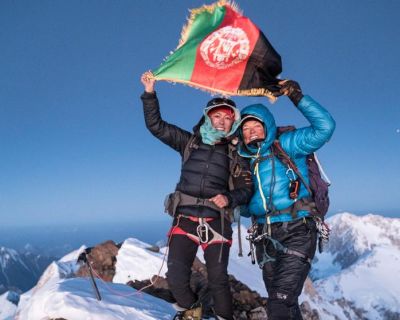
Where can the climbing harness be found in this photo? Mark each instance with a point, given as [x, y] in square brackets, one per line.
[254, 237]
[205, 234]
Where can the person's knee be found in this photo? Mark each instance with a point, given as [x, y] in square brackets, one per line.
[178, 274]
[283, 306]
[218, 275]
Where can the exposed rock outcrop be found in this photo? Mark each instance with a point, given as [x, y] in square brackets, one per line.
[102, 259]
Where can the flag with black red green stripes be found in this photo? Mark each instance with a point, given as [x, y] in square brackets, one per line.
[222, 51]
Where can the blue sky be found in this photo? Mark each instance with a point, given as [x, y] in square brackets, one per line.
[73, 143]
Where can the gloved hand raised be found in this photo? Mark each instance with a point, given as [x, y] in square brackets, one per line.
[291, 89]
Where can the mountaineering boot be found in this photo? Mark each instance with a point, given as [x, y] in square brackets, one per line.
[190, 314]
[193, 314]
[178, 316]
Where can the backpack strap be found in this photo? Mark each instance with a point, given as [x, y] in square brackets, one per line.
[260, 159]
[284, 158]
[234, 166]
[193, 143]
[234, 171]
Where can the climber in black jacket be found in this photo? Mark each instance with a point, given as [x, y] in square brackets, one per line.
[207, 190]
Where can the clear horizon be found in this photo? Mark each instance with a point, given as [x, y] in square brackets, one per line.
[164, 219]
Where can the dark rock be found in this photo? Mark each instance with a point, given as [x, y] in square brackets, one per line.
[102, 259]
[391, 315]
[308, 313]
[13, 297]
[153, 249]
[157, 287]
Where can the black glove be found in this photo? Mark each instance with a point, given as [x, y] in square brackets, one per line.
[292, 89]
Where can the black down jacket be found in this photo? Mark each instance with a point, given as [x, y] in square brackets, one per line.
[206, 172]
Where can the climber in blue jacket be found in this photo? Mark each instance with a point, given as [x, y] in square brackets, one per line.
[282, 206]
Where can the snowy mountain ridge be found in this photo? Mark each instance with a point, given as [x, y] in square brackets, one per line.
[20, 270]
[352, 279]
[362, 234]
[354, 237]
[360, 268]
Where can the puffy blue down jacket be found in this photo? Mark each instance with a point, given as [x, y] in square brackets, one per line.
[270, 176]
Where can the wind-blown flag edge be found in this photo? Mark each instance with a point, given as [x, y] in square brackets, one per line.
[187, 29]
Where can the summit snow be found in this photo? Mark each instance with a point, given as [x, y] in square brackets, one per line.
[356, 278]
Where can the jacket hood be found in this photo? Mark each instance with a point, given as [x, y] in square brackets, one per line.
[262, 113]
[196, 128]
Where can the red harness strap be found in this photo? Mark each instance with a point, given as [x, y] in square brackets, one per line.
[205, 245]
[216, 239]
[196, 219]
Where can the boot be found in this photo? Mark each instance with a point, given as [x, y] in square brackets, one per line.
[178, 316]
[193, 314]
[190, 314]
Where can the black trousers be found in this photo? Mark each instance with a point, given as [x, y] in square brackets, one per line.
[285, 276]
[182, 251]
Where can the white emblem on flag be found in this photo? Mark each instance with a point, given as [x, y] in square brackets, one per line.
[225, 47]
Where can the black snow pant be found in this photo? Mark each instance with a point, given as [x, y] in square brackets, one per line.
[182, 251]
[285, 276]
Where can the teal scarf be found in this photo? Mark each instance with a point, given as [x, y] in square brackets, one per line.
[210, 135]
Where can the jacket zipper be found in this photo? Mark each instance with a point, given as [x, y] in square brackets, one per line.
[205, 172]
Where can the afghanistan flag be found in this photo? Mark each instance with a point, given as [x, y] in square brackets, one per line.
[221, 51]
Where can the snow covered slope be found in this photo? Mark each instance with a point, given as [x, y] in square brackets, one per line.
[7, 305]
[356, 278]
[59, 295]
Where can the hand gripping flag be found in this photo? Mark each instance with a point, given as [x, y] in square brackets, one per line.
[221, 51]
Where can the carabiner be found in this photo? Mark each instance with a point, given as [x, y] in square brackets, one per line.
[202, 231]
[288, 171]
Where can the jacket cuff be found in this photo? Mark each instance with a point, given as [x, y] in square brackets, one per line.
[296, 98]
[304, 102]
[148, 95]
[230, 199]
